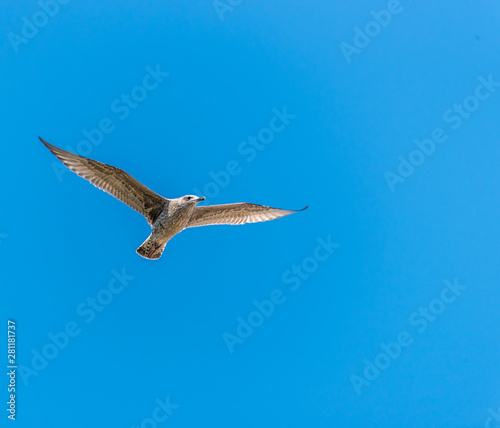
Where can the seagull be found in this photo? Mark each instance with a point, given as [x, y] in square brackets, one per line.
[167, 217]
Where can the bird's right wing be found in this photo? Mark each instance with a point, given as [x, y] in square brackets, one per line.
[114, 181]
[239, 213]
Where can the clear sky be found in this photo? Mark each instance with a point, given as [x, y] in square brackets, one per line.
[378, 306]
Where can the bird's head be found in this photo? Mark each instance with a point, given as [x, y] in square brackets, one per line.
[191, 200]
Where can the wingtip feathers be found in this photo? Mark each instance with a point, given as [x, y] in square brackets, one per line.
[45, 143]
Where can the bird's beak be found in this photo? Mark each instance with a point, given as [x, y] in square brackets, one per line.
[201, 198]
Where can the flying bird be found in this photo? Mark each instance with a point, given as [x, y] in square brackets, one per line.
[167, 217]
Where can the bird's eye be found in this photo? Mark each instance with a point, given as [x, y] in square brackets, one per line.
[189, 198]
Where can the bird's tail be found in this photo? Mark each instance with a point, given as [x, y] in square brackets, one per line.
[150, 249]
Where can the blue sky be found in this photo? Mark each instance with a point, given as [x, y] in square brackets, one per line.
[377, 306]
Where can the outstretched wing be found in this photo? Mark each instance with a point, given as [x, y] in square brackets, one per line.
[114, 181]
[240, 213]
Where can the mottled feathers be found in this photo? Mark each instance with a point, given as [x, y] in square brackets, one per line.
[167, 217]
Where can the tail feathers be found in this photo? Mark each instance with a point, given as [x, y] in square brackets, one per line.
[150, 249]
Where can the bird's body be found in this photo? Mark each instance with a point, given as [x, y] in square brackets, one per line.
[173, 219]
[167, 217]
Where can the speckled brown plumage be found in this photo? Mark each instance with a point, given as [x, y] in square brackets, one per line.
[167, 217]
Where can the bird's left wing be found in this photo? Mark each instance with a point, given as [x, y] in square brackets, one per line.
[239, 213]
[114, 181]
